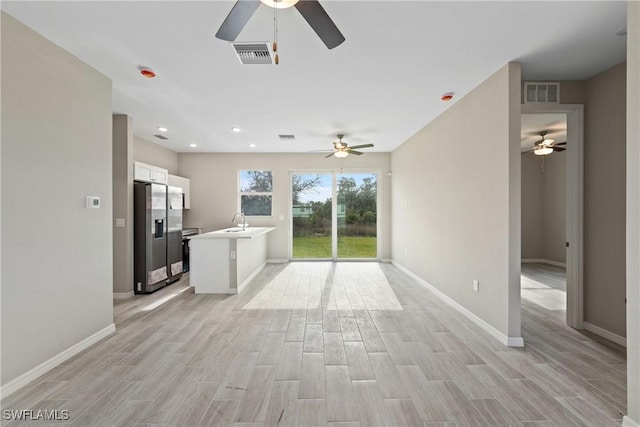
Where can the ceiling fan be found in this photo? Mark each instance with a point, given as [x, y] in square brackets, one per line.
[311, 10]
[546, 146]
[341, 149]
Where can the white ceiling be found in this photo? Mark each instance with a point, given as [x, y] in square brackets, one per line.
[381, 86]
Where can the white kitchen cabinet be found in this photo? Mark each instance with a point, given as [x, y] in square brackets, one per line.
[185, 184]
[149, 173]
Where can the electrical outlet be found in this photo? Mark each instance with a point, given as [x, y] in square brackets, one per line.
[476, 285]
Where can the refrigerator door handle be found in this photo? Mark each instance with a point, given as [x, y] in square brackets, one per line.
[159, 228]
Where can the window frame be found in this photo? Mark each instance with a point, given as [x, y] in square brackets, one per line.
[254, 193]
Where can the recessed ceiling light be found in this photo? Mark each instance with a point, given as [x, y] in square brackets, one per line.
[252, 145]
[236, 129]
[162, 129]
[193, 145]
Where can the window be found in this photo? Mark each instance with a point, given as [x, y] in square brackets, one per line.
[256, 192]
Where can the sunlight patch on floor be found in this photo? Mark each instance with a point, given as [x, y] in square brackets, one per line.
[329, 286]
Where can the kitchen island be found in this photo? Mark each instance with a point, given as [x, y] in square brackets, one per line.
[224, 261]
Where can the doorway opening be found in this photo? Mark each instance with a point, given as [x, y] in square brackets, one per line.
[552, 200]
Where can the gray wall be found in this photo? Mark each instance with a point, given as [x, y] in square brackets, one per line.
[633, 212]
[531, 207]
[544, 207]
[154, 154]
[56, 150]
[214, 189]
[123, 204]
[604, 200]
[456, 201]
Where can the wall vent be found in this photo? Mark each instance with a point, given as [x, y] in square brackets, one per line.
[160, 136]
[541, 92]
[253, 53]
[287, 137]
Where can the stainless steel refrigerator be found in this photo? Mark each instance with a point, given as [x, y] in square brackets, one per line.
[174, 234]
[149, 237]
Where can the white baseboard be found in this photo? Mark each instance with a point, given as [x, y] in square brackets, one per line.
[122, 295]
[504, 339]
[628, 422]
[386, 260]
[543, 261]
[604, 333]
[56, 360]
[277, 261]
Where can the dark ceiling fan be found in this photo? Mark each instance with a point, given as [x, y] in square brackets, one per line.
[311, 10]
[546, 146]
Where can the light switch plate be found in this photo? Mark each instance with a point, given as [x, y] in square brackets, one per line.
[119, 222]
[93, 202]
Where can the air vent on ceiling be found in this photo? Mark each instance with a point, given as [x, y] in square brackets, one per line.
[541, 92]
[253, 53]
[287, 137]
[160, 136]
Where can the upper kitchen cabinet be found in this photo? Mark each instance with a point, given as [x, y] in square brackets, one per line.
[185, 184]
[149, 173]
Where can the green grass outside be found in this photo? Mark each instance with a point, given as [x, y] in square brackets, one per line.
[348, 247]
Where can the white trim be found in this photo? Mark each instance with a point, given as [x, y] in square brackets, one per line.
[123, 295]
[277, 261]
[386, 260]
[543, 261]
[575, 204]
[628, 422]
[605, 334]
[251, 276]
[56, 360]
[504, 339]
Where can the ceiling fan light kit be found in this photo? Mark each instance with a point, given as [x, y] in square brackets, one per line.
[543, 151]
[279, 4]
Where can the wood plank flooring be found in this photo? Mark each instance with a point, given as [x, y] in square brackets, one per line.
[339, 344]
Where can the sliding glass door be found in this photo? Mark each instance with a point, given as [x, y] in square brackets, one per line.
[334, 215]
[357, 215]
[311, 196]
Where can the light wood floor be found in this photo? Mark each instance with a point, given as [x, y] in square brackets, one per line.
[343, 344]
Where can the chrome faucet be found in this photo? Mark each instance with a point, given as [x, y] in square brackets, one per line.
[244, 222]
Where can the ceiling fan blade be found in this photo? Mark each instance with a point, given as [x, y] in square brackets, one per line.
[360, 146]
[313, 12]
[560, 143]
[357, 153]
[237, 19]
[327, 156]
[558, 149]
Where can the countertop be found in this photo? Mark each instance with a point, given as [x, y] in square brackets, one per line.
[234, 233]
